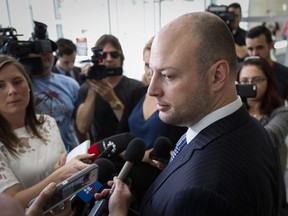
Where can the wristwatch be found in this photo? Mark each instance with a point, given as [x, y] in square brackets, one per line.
[117, 105]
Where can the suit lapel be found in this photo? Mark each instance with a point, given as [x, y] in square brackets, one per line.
[204, 138]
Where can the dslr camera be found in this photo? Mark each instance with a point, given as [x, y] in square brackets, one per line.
[222, 12]
[99, 71]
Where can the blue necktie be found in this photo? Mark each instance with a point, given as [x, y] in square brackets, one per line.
[179, 146]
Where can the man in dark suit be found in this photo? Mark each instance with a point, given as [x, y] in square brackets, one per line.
[229, 166]
[65, 60]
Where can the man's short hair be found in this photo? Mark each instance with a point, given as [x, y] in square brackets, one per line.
[111, 39]
[259, 30]
[235, 5]
[65, 47]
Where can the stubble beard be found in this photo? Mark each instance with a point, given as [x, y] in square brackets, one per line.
[192, 110]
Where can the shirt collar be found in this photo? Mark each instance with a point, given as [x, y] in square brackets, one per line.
[60, 70]
[213, 117]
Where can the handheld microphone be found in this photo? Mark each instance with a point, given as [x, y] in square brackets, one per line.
[133, 155]
[118, 142]
[161, 150]
[106, 171]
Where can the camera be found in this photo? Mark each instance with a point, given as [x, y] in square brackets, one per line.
[99, 71]
[246, 90]
[8, 34]
[38, 43]
[222, 12]
[19, 49]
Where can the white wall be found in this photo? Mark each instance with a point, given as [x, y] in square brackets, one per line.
[133, 21]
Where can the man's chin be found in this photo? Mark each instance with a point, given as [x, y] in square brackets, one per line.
[172, 119]
[168, 119]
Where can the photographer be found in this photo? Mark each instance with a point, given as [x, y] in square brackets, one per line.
[102, 100]
[231, 15]
[238, 33]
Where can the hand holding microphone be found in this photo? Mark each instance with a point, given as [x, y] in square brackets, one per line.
[133, 155]
[161, 150]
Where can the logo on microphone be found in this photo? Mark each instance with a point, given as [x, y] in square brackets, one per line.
[109, 143]
[88, 193]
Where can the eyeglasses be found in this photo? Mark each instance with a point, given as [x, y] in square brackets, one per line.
[113, 54]
[254, 80]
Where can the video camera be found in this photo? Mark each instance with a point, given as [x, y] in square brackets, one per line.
[99, 71]
[222, 12]
[20, 49]
[8, 34]
[38, 42]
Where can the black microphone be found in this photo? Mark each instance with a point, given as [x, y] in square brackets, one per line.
[118, 142]
[161, 150]
[133, 155]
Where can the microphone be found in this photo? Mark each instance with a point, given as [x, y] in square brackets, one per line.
[117, 142]
[133, 155]
[105, 172]
[161, 150]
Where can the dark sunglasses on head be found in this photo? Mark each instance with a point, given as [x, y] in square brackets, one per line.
[113, 54]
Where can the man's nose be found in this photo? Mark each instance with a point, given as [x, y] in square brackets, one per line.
[254, 52]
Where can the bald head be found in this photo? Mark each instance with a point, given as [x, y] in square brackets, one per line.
[214, 39]
[193, 56]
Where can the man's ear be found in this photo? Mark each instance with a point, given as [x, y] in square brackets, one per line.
[219, 74]
[271, 45]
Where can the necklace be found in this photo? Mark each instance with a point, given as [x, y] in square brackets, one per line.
[257, 116]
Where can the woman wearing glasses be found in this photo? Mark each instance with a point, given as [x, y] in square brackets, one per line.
[267, 106]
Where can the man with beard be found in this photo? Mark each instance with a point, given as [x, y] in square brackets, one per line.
[225, 163]
[102, 101]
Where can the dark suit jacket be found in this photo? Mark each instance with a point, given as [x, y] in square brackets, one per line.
[77, 72]
[229, 168]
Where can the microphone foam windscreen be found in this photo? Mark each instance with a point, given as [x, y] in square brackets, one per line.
[135, 151]
[106, 169]
[161, 149]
